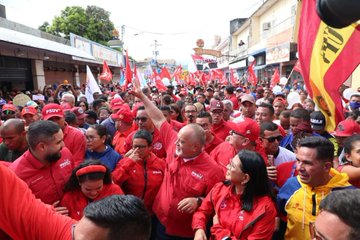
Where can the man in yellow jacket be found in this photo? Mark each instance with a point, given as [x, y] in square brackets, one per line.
[300, 197]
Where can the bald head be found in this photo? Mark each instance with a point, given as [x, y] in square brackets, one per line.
[197, 133]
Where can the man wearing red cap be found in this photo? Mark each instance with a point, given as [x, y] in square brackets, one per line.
[74, 139]
[243, 136]
[30, 115]
[124, 126]
[8, 111]
[220, 127]
[109, 123]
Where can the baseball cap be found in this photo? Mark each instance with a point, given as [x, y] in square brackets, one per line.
[279, 99]
[216, 105]
[123, 114]
[116, 103]
[347, 128]
[248, 128]
[31, 104]
[28, 110]
[79, 112]
[247, 98]
[52, 110]
[317, 120]
[9, 107]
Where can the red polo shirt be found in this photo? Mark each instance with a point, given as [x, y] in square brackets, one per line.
[119, 140]
[176, 125]
[222, 154]
[213, 144]
[140, 178]
[222, 129]
[235, 101]
[24, 217]
[75, 141]
[157, 146]
[46, 182]
[76, 201]
[183, 179]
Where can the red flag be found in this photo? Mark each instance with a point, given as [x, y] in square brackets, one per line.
[190, 80]
[217, 74]
[275, 78]
[106, 74]
[176, 74]
[159, 84]
[252, 77]
[165, 73]
[233, 77]
[327, 56]
[128, 72]
[297, 66]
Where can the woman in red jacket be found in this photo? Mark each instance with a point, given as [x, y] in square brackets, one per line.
[142, 172]
[242, 207]
[90, 181]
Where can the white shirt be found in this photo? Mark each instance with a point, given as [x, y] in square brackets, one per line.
[284, 155]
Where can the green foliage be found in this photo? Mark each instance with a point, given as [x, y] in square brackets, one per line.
[92, 23]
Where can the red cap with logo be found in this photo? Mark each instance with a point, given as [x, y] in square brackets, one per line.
[79, 112]
[28, 110]
[347, 128]
[248, 128]
[116, 103]
[52, 110]
[124, 114]
[216, 105]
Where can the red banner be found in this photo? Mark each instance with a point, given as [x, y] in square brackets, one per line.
[106, 74]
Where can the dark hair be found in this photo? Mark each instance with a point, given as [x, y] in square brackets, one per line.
[348, 143]
[104, 108]
[230, 89]
[324, 148]
[176, 108]
[73, 182]
[14, 123]
[141, 108]
[101, 130]
[125, 216]
[97, 103]
[268, 106]
[86, 105]
[166, 99]
[345, 204]
[70, 117]
[91, 114]
[41, 131]
[301, 113]
[204, 114]
[142, 133]
[285, 113]
[253, 164]
[165, 108]
[267, 126]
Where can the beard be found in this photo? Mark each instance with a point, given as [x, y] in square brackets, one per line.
[53, 157]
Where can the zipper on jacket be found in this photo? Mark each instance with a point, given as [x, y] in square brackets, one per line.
[313, 212]
[145, 180]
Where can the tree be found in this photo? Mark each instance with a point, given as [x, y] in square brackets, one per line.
[92, 23]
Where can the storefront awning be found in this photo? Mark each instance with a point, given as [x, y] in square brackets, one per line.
[28, 40]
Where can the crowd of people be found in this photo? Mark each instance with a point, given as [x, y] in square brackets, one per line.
[192, 162]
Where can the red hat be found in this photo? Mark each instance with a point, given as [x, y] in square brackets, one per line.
[116, 103]
[279, 99]
[79, 112]
[347, 128]
[52, 110]
[249, 128]
[28, 110]
[9, 107]
[216, 105]
[123, 114]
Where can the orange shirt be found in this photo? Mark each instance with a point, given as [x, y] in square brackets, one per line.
[119, 140]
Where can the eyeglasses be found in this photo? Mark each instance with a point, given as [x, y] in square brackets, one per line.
[143, 119]
[232, 132]
[90, 138]
[272, 139]
[9, 112]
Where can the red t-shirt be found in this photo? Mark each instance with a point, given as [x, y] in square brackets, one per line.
[183, 179]
[75, 141]
[222, 130]
[24, 217]
[235, 101]
[46, 182]
[76, 201]
[177, 125]
[213, 144]
[157, 146]
[285, 171]
[119, 140]
[141, 178]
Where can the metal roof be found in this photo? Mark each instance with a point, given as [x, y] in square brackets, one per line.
[24, 39]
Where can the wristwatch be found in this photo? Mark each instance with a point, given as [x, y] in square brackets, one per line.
[199, 201]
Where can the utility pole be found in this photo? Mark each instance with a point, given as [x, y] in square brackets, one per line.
[156, 51]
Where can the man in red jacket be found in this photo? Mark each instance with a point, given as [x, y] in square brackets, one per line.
[190, 174]
[47, 165]
[74, 139]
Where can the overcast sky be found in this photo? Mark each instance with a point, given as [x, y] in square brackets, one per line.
[176, 25]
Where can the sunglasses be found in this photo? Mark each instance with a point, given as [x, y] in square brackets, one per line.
[143, 119]
[272, 139]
